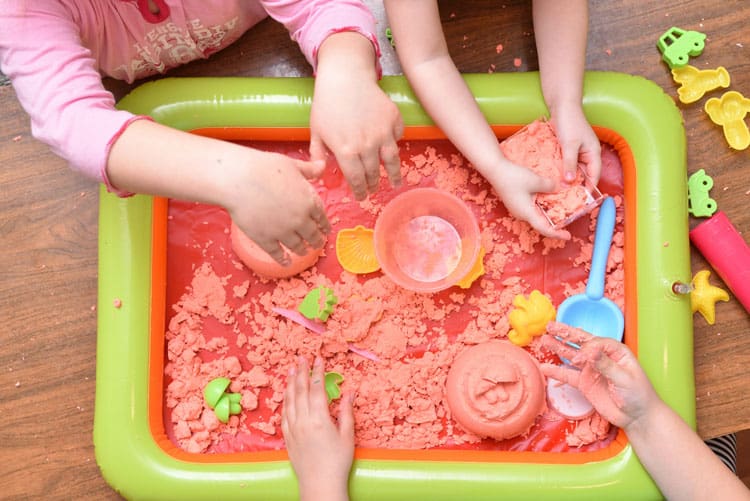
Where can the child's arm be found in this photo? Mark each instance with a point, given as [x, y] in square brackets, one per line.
[613, 381]
[266, 194]
[56, 80]
[424, 56]
[560, 33]
[352, 117]
[320, 451]
[677, 459]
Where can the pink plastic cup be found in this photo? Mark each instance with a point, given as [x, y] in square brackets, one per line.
[426, 240]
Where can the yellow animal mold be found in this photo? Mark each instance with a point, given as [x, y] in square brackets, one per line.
[694, 83]
[530, 317]
[729, 111]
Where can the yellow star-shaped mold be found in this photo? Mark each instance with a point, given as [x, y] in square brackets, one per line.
[475, 272]
[703, 297]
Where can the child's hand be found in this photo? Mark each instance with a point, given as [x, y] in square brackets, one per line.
[321, 453]
[604, 370]
[579, 143]
[352, 117]
[273, 203]
[516, 187]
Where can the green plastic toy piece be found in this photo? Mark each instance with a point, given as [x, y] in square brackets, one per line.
[677, 45]
[214, 390]
[130, 454]
[700, 204]
[332, 382]
[318, 304]
[224, 404]
[389, 36]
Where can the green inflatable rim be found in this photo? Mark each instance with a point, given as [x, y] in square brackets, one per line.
[137, 467]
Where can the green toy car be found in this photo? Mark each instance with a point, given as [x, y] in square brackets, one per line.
[700, 204]
[676, 45]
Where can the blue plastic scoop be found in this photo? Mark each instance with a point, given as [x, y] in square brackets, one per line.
[591, 311]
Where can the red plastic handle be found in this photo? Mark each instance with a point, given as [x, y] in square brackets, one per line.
[723, 246]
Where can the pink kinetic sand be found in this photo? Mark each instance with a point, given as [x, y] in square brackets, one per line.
[495, 389]
[221, 320]
[536, 147]
[262, 263]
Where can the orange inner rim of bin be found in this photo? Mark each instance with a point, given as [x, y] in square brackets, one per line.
[158, 309]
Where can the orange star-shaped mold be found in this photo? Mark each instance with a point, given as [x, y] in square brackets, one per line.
[704, 296]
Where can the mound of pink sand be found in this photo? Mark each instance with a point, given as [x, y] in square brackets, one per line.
[221, 322]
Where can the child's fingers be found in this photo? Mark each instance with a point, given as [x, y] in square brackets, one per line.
[607, 366]
[590, 156]
[371, 162]
[593, 348]
[568, 333]
[391, 162]
[531, 213]
[525, 209]
[570, 159]
[616, 374]
[543, 226]
[295, 243]
[558, 347]
[389, 153]
[311, 234]
[318, 214]
[312, 169]
[275, 250]
[561, 373]
[346, 417]
[302, 389]
[288, 411]
[398, 128]
[318, 150]
[615, 350]
[318, 397]
[617, 363]
[607, 356]
[541, 184]
[351, 166]
[593, 165]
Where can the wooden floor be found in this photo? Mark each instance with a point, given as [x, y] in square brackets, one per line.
[48, 223]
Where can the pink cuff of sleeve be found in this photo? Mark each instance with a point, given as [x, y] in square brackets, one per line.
[105, 179]
[371, 37]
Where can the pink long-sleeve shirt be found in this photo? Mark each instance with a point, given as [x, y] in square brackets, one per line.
[55, 53]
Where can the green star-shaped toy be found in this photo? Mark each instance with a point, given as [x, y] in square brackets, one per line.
[318, 304]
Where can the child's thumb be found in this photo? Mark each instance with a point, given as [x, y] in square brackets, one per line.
[318, 150]
[570, 161]
[311, 169]
[544, 185]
